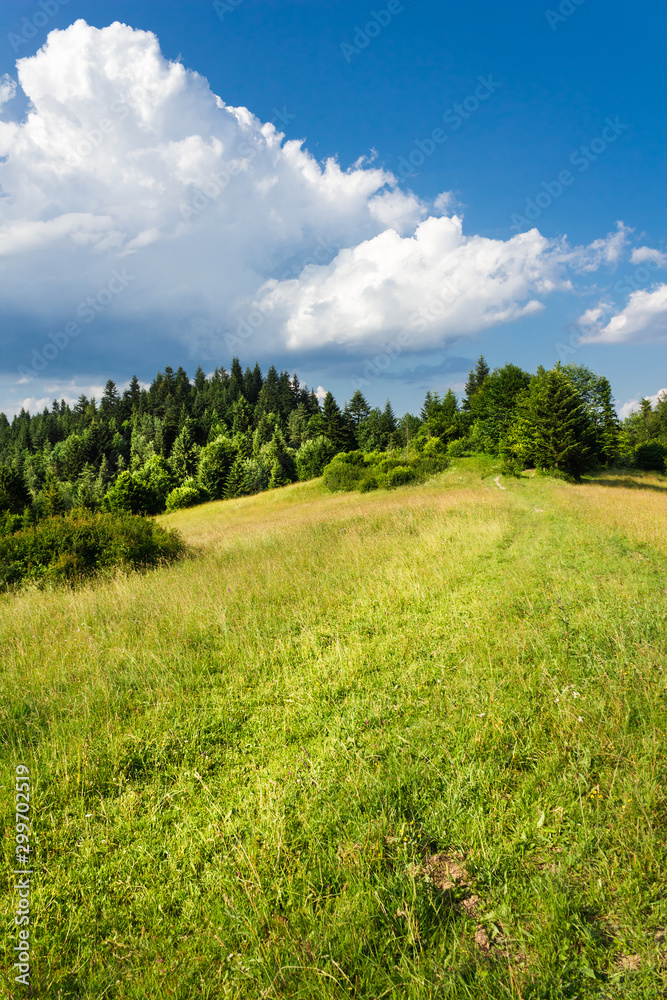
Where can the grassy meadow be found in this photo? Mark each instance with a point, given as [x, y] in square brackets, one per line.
[405, 744]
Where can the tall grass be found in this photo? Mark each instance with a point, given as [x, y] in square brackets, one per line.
[242, 764]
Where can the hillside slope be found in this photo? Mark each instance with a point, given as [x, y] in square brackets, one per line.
[405, 744]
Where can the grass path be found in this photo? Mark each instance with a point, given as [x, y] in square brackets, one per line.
[405, 744]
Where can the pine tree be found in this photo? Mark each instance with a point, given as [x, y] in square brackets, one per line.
[476, 378]
[13, 493]
[184, 456]
[110, 399]
[334, 426]
[268, 400]
[234, 487]
[551, 427]
[357, 408]
[51, 501]
[431, 399]
[236, 384]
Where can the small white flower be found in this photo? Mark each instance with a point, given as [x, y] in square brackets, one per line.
[580, 719]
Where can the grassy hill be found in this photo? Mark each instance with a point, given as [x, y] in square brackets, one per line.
[405, 744]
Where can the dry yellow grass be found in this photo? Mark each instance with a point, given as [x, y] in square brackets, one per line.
[282, 511]
[637, 506]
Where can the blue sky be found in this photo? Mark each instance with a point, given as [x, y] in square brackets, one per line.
[556, 112]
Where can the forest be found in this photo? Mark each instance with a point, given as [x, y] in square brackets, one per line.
[185, 441]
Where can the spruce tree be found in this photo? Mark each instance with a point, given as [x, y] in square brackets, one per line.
[236, 384]
[234, 487]
[357, 408]
[551, 426]
[475, 381]
[184, 456]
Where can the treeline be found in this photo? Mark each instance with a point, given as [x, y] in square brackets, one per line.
[183, 441]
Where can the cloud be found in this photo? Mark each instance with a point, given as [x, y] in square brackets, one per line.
[632, 406]
[125, 160]
[640, 254]
[606, 251]
[643, 320]
[7, 89]
[436, 284]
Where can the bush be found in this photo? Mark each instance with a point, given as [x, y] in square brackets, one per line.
[426, 466]
[650, 456]
[188, 495]
[458, 448]
[345, 471]
[400, 475]
[69, 548]
[372, 480]
[256, 475]
[128, 494]
[312, 457]
[377, 470]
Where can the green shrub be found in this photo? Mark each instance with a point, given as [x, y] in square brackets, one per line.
[377, 470]
[345, 471]
[128, 494]
[650, 456]
[312, 457]
[68, 548]
[400, 475]
[429, 465]
[372, 480]
[188, 495]
[256, 474]
[458, 448]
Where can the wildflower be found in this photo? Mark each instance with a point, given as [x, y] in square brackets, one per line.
[579, 719]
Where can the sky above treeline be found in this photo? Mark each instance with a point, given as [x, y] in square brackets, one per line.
[368, 195]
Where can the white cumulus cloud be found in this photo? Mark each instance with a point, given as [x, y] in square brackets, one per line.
[128, 163]
[435, 284]
[643, 320]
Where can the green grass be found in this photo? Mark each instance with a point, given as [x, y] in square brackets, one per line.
[273, 738]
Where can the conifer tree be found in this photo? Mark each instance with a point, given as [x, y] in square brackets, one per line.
[357, 408]
[234, 487]
[476, 378]
[551, 427]
[184, 456]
